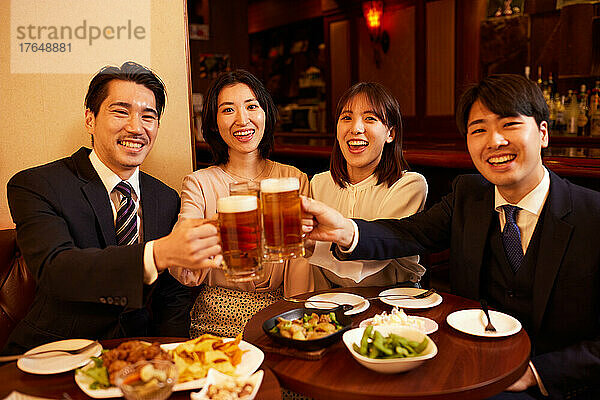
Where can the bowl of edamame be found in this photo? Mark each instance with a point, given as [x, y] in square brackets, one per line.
[389, 349]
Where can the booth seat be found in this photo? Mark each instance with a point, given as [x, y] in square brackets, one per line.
[17, 285]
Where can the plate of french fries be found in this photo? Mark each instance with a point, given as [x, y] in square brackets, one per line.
[193, 359]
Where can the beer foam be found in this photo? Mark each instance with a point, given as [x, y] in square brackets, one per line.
[276, 185]
[236, 204]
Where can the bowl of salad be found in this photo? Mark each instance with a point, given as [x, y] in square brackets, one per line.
[147, 380]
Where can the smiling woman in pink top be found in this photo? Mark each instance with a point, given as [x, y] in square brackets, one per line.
[238, 122]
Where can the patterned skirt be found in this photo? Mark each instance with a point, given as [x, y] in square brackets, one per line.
[224, 312]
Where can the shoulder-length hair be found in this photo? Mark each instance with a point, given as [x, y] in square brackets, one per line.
[387, 109]
[210, 129]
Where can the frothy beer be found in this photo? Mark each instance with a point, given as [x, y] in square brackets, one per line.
[239, 226]
[281, 219]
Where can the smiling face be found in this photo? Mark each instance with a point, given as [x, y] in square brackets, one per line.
[125, 127]
[361, 135]
[507, 150]
[240, 118]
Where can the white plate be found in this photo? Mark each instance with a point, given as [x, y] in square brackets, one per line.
[251, 360]
[216, 377]
[430, 325]
[55, 363]
[358, 303]
[473, 322]
[427, 302]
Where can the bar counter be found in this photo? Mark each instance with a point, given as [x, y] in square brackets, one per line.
[569, 162]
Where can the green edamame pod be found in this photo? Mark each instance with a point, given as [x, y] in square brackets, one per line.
[421, 346]
[380, 345]
[364, 341]
[373, 352]
[401, 351]
[413, 344]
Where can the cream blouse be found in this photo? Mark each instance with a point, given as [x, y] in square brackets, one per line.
[369, 201]
[199, 195]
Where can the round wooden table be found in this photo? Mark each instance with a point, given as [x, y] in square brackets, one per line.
[63, 386]
[466, 367]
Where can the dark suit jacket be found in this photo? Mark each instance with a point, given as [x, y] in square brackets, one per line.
[87, 286]
[565, 328]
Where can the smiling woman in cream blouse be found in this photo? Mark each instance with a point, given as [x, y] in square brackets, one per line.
[368, 179]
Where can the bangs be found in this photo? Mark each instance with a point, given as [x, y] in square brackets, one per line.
[374, 102]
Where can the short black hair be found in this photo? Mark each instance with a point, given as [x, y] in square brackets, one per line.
[387, 109]
[129, 71]
[506, 95]
[210, 128]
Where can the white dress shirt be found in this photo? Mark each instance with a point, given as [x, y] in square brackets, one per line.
[110, 180]
[531, 206]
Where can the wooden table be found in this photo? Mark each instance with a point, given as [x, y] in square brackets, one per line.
[63, 386]
[466, 367]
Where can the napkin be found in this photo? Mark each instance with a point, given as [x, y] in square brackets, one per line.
[355, 270]
[14, 395]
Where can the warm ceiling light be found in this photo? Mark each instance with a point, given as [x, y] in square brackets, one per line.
[373, 12]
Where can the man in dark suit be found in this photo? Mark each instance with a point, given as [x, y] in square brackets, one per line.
[97, 233]
[519, 236]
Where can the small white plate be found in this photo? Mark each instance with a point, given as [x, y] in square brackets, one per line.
[358, 303]
[473, 322]
[55, 363]
[251, 360]
[216, 377]
[427, 302]
[430, 325]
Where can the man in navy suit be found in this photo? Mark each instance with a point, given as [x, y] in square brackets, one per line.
[97, 233]
[519, 236]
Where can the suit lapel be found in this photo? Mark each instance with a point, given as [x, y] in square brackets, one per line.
[150, 210]
[554, 241]
[475, 234]
[95, 192]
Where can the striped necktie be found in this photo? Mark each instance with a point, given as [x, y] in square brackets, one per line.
[126, 223]
[511, 237]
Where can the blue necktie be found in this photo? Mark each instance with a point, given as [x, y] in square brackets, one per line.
[126, 223]
[511, 237]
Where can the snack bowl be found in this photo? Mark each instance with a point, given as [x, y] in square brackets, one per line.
[147, 380]
[314, 344]
[218, 382]
[390, 365]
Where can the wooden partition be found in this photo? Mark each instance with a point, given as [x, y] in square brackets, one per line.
[42, 113]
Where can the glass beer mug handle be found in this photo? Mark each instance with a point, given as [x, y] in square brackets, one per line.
[215, 222]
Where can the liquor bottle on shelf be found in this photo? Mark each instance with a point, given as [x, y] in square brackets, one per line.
[571, 112]
[582, 117]
[551, 85]
[527, 71]
[595, 111]
[582, 93]
[539, 79]
[552, 106]
[561, 123]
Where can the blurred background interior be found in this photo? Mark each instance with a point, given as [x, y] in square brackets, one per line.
[426, 51]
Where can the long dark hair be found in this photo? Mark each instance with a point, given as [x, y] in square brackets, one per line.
[210, 129]
[387, 109]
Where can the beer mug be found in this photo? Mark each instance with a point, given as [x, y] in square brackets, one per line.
[282, 215]
[239, 227]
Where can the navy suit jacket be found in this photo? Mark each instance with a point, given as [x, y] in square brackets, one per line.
[87, 286]
[565, 319]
